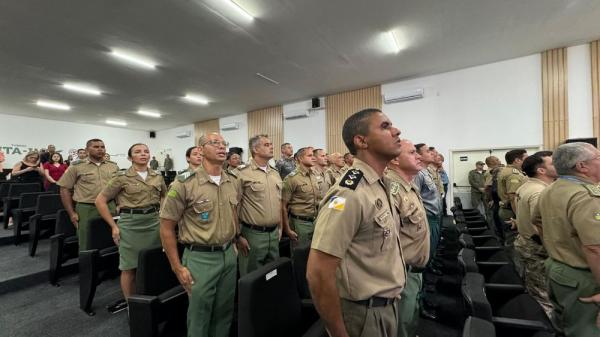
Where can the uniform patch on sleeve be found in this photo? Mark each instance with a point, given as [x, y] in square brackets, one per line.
[351, 178]
[172, 193]
[337, 203]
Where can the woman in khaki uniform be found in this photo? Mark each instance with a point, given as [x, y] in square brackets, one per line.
[138, 193]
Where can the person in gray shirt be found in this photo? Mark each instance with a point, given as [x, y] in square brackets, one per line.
[286, 164]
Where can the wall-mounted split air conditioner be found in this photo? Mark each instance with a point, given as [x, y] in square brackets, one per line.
[230, 126]
[185, 134]
[404, 95]
[295, 114]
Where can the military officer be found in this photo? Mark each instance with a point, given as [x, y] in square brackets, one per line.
[477, 182]
[81, 183]
[193, 156]
[348, 159]
[414, 232]
[337, 167]
[260, 206]
[321, 163]
[510, 178]
[287, 163]
[355, 267]
[568, 216]
[204, 203]
[168, 164]
[302, 192]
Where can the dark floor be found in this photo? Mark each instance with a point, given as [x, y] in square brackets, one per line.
[16, 262]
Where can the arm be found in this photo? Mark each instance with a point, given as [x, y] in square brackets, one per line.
[67, 199]
[472, 180]
[320, 273]
[285, 221]
[169, 243]
[17, 172]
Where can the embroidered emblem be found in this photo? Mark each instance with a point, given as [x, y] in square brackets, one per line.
[337, 203]
[378, 203]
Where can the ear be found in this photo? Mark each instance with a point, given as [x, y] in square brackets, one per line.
[360, 142]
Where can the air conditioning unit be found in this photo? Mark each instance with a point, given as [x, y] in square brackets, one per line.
[230, 126]
[295, 114]
[404, 95]
[185, 134]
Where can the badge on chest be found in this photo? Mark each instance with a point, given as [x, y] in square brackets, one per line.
[203, 209]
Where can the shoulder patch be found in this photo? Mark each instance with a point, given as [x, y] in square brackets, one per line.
[242, 166]
[76, 162]
[351, 178]
[593, 189]
[185, 176]
[516, 171]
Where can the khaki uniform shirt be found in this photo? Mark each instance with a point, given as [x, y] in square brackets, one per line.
[303, 190]
[436, 178]
[527, 199]
[357, 224]
[205, 211]
[477, 180]
[131, 191]
[569, 211]
[87, 179]
[509, 180]
[333, 173]
[261, 194]
[325, 185]
[414, 229]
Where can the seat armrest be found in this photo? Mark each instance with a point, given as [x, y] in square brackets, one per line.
[521, 324]
[316, 330]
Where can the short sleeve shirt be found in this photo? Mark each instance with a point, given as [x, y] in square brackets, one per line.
[527, 199]
[260, 202]
[87, 179]
[131, 191]
[429, 193]
[509, 180]
[303, 191]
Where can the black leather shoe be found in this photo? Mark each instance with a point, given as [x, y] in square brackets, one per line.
[428, 313]
[118, 306]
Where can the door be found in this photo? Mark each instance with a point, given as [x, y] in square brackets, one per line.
[462, 163]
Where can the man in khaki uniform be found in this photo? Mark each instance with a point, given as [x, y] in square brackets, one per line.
[435, 174]
[477, 182]
[302, 192]
[568, 216]
[336, 168]
[510, 178]
[320, 167]
[260, 207]
[414, 233]
[204, 203]
[355, 268]
[529, 251]
[82, 182]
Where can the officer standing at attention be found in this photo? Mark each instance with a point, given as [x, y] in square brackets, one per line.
[414, 233]
[336, 168]
[355, 267]
[510, 178]
[286, 164]
[168, 164]
[477, 182]
[193, 156]
[568, 216]
[81, 183]
[260, 207]
[529, 251]
[204, 203]
[154, 163]
[348, 159]
[301, 194]
[320, 167]
[138, 193]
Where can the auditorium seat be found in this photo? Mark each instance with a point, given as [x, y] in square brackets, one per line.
[11, 200]
[300, 260]
[269, 304]
[44, 218]
[159, 306]
[4, 187]
[99, 263]
[26, 208]
[477, 327]
[64, 245]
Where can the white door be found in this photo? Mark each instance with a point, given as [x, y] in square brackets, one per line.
[462, 163]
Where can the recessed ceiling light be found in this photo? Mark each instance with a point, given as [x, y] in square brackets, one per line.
[116, 122]
[53, 105]
[196, 99]
[239, 9]
[148, 113]
[84, 89]
[264, 77]
[133, 59]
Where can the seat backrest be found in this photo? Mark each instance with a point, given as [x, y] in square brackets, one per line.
[64, 224]
[16, 190]
[270, 289]
[154, 275]
[466, 261]
[48, 204]
[458, 202]
[300, 261]
[466, 241]
[28, 200]
[477, 327]
[476, 302]
[523, 306]
[4, 187]
[505, 275]
[99, 234]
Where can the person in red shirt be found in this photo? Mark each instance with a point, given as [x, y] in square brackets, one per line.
[54, 169]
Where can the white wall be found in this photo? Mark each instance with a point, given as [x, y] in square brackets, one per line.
[166, 142]
[302, 132]
[24, 133]
[580, 91]
[237, 138]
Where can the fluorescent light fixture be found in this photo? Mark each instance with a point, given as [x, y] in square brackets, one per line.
[196, 99]
[264, 77]
[53, 105]
[116, 122]
[148, 113]
[394, 44]
[239, 9]
[133, 59]
[83, 89]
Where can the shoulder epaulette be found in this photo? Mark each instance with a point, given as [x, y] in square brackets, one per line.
[231, 172]
[76, 162]
[121, 173]
[593, 189]
[351, 178]
[242, 166]
[516, 171]
[293, 173]
[112, 162]
[185, 176]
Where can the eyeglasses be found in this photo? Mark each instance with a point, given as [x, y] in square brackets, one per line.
[217, 143]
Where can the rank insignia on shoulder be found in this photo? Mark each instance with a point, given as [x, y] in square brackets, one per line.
[516, 171]
[185, 176]
[351, 178]
[593, 189]
[394, 188]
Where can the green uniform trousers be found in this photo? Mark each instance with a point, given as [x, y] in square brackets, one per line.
[303, 228]
[211, 303]
[264, 248]
[565, 286]
[409, 307]
[86, 213]
[362, 321]
[435, 232]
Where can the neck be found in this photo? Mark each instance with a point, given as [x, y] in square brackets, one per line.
[262, 162]
[284, 156]
[193, 167]
[213, 169]
[140, 167]
[545, 178]
[95, 160]
[584, 177]
[378, 164]
[405, 175]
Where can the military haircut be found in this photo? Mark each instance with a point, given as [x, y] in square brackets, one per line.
[131, 148]
[544, 153]
[300, 152]
[419, 146]
[316, 152]
[513, 155]
[93, 140]
[357, 124]
[347, 154]
[284, 145]
[188, 152]
[489, 161]
[531, 164]
[566, 156]
[254, 141]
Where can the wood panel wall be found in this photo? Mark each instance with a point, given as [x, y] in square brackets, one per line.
[268, 121]
[341, 106]
[595, 51]
[554, 96]
[205, 127]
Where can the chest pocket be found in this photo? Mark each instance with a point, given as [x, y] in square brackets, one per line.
[258, 189]
[413, 222]
[88, 177]
[204, 210]
[383, 232]
[133, 188]
[306, 188]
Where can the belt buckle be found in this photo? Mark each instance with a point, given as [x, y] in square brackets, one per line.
[370, 303]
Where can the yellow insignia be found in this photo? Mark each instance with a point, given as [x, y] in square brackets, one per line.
[337, 203]
[349, 182]
[597, 216]
[172, 194]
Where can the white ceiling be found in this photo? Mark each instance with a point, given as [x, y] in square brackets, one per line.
[312, 47]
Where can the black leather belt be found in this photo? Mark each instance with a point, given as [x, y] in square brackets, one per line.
[148, 210]
[376, 301]
[416, 270]
[303, 218]
[208, 248]
[267, 229]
